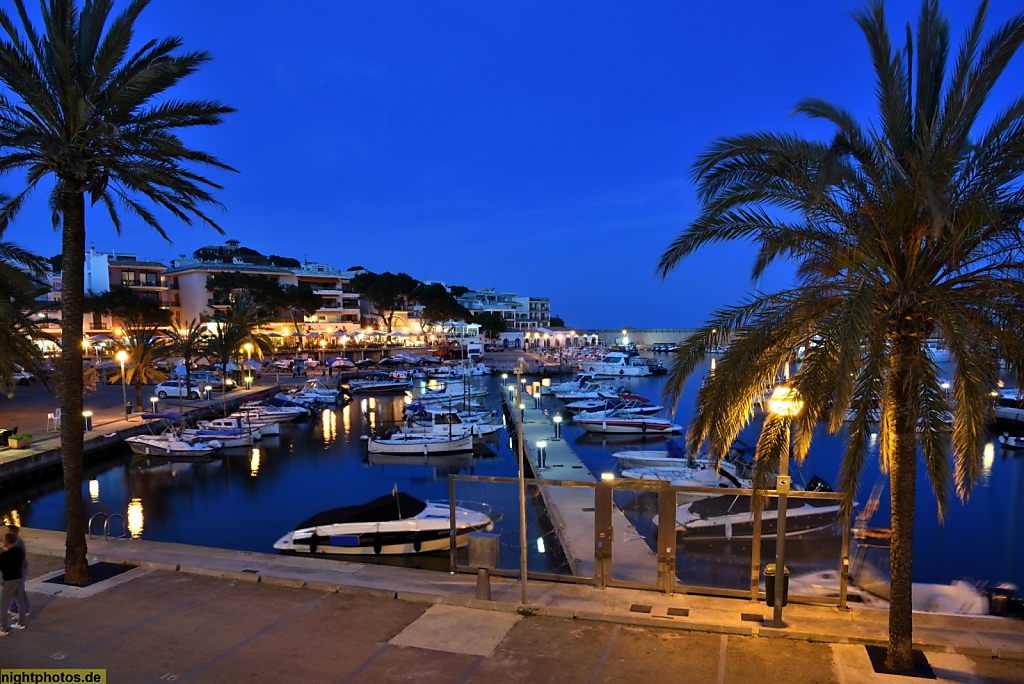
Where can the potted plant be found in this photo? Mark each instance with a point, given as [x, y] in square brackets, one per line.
[20, 441]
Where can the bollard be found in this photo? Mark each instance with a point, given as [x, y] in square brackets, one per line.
[483, 555]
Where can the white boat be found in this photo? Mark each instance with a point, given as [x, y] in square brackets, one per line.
[418, 443]
[266, 413]
[696, 474]
[228, 438]
[618, 422]
[1011, 441]
[246, 420]
[320, 389]
[578, 381]
[446, 424]
[394, 524]
[728, 517]
[600, 408]
[1009, 404]
[170, 445]
[624, 364]
[480, 416]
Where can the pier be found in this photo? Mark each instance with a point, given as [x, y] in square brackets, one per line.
[572, 509]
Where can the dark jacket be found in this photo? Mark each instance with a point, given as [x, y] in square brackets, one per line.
[11, 561]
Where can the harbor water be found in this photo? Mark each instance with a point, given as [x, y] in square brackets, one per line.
[248, 498]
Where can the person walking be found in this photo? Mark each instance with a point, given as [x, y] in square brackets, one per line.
[11, 560]
[20, 543]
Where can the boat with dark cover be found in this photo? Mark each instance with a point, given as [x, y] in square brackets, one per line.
[393, 524]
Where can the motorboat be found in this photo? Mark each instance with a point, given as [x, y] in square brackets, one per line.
[674, 456]
[619, 363]
[228, 438]
[380, 383]
[1013, 442]
[399, 441]
[319, 389]
[480, 416]
[697, 473]
[598, 407]
[578, 381]
[171, 445]
[446, 423]
[1009, 404]
[728, 517]
[395, 524]
[621, 422]
[243, 422]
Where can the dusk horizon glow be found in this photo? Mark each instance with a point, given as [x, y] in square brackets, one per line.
[538, 149]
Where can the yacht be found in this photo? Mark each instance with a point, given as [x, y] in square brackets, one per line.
[391, 383]
[622, 422]
[618, 363]
[1009, 404]
[394, 524]
[698, 473]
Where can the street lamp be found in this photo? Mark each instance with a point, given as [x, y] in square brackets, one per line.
[154, 400]
[519, 370]
[558, 425]
[786, 403]
[121, 357]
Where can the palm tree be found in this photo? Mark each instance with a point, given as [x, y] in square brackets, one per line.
[188, 342]
[19, 285]
[146, 350]
[223, 344]
[900, 231]
[84, 108]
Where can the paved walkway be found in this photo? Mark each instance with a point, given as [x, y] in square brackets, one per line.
[208, 615]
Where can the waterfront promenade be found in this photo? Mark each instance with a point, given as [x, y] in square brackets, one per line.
[197, 614]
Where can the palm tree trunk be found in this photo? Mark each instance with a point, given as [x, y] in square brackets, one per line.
[138, 392]
[902, 489]
[76, 563]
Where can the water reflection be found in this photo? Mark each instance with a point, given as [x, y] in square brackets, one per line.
[136, 518]
[988, 457]
[329, 421]
[254, 463]
[11, 517]
[94, 490]
[346, 418]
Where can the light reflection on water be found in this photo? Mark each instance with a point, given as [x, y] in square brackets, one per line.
[314, 466]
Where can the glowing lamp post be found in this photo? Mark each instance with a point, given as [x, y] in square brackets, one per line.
[558, 425]
[121, 357]
[785, 403]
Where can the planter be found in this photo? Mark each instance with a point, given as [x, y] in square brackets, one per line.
[19, 442]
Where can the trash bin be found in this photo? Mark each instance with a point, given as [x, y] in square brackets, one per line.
[769, 585]
[128, 408]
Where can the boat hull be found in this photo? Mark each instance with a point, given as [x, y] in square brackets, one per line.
[416, 445]
[628, 427]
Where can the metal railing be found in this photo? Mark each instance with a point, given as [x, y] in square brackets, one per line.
[664, 543]
[107, 519]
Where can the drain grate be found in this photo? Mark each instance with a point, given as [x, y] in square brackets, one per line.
[751, 617]
[587, 510]
[679, 612]
[251, 571]
[640, 608]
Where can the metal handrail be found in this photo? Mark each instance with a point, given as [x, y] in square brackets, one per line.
[94, 516]
[124, 527]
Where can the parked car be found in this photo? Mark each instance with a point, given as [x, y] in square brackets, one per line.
[22, 376]
[205, 379]
[176, 389]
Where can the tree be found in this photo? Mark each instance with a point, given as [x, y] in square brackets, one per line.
[146, 352]
[557, 322]
[492, 324]
[20, 271]
[299, 301]
[127, 304]
[82, 107]
[903, 230]
[458, 290]
[233, 329]
[387, 292]
[188, 342]
[438, 305]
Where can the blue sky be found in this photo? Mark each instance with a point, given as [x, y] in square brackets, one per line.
[529, 146]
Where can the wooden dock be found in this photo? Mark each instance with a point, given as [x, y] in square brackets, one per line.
[571, 509]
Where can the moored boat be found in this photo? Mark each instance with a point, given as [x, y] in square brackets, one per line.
[394, 524]
[413, 444]
[620, 422]
[170, 445]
